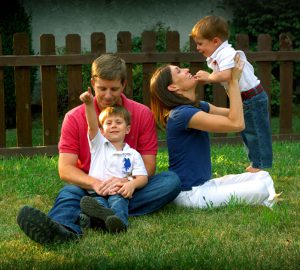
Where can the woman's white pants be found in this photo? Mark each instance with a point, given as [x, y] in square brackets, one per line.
[250, 188]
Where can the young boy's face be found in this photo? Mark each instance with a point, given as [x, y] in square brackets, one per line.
[206, 46]
[114, 128]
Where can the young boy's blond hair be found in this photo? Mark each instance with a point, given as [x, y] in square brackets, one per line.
[209, 27]
[115, 111]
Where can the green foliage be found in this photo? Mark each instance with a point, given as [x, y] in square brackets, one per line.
[13, 19]
[266, 17]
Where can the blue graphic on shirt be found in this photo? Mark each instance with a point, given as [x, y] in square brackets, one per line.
[127, 164]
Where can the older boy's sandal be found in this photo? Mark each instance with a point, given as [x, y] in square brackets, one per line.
[42, 229]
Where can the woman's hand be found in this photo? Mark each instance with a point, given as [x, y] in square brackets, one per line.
[238, 67]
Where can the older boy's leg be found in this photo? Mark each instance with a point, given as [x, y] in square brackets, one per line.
[160, 190]
[257, 134]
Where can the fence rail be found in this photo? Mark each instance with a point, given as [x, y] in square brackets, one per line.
[47, 60]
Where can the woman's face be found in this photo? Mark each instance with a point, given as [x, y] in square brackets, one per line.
[182, 79]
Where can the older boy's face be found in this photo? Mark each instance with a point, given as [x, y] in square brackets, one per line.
[205, 46]
[108, 93]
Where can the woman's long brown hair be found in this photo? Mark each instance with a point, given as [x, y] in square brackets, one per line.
[163, 100]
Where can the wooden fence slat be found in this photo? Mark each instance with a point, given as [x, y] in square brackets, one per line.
[173, 43]
[124, 44]
[49, 93]
[73, 46]
[22, 88]
[286, 87]
[264, 43]
[2, 105]
[194, 67]
[98, 43]
[148, 45]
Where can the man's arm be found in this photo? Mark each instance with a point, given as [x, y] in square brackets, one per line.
[70, 173]
[150, 164]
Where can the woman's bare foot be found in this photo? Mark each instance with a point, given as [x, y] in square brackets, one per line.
[252, 170]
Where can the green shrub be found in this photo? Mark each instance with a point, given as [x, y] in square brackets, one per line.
[13, 19]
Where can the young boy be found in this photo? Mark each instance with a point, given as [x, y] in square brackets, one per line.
[211, 36]
[111, 157]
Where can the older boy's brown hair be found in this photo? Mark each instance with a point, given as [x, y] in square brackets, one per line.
[209, 27]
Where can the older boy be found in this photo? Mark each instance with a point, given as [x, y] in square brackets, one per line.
[211, 36]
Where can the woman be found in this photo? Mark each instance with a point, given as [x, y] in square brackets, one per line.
[187, 120]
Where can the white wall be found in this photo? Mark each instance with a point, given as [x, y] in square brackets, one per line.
[112, 16]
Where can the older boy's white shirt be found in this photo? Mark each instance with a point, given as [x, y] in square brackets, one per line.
[223, 58]
[107, 162]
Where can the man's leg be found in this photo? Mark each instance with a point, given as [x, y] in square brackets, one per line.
[160, 190]
[59, 224]
[66, 208]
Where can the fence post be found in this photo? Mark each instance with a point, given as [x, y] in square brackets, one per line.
[49, 93]
[73, 46]
[22, 88]
[264, 43]
[2, 105]
[286, 87]
[98, 43]
[172, 43]
[148, 46]
[124, 46]
[194, 67]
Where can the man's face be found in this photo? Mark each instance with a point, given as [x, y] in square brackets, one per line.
[108, 93]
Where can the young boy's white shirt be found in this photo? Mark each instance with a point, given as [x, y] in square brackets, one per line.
[107, 162]
[223, 58]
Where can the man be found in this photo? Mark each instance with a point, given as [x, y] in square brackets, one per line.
[62, 222]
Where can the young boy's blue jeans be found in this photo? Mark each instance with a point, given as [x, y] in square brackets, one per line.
[118, 204]
[160, 190]
[257, 134]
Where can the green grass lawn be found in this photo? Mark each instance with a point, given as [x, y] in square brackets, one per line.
[232, 237]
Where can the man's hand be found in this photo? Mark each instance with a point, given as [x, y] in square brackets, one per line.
[110, 186]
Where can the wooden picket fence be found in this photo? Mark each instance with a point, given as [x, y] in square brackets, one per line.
[47, 61]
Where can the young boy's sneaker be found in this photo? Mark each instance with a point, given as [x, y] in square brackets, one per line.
[42, 229]
[115, 225]
[84, 221]
[98, 213]
[91, 207]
